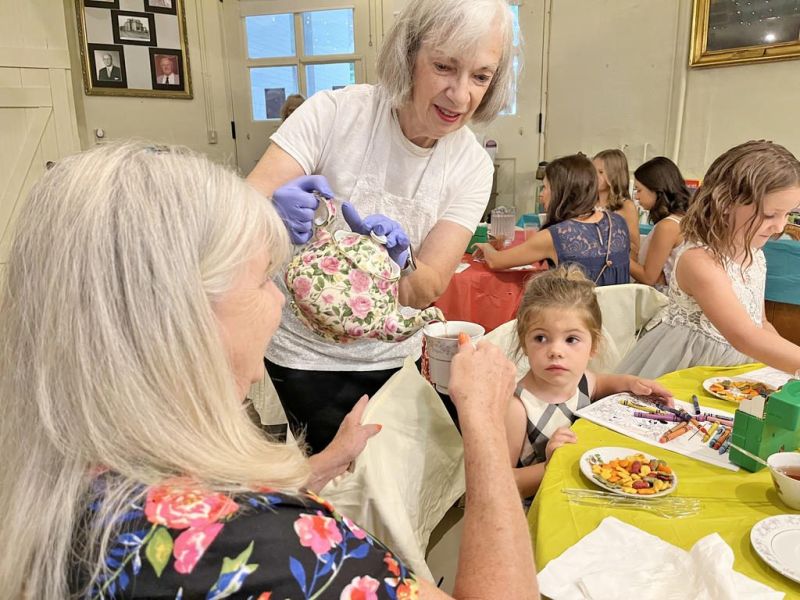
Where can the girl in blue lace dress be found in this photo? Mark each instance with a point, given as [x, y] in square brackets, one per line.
[715, 314]
[576, 232]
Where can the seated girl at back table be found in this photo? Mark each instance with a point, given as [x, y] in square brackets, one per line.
[660, 189]
[576, 231]
[715, 314]
[558, 329]
[613, 179]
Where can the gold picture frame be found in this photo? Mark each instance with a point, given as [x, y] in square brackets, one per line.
[731, 32]
[140, 51]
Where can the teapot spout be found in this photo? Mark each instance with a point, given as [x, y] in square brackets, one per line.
[408, 326]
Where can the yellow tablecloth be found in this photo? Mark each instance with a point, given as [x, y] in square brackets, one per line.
[731, 502]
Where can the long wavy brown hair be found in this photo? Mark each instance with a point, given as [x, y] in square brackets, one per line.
[662, 177]
[615, 165]
[742, 176]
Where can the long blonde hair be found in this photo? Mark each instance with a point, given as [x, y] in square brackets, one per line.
[615, 165]
[742, 176]
[111, 356]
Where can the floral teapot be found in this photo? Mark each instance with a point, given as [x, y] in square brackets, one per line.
[344, 286]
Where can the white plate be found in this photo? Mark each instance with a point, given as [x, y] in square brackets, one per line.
[777, 540]
[712, 380]
[609, 453]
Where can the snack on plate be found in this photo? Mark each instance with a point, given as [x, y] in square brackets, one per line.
[735, 390]
[634, 474]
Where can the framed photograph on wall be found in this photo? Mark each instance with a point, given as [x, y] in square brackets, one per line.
[729, 32]
[107, 66]
[139, 51]
[136, 28]
[160, 6]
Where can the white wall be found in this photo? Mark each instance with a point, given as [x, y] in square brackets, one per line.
[185, 122]
[617, 70]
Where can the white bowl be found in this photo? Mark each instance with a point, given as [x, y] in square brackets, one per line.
[788, 489]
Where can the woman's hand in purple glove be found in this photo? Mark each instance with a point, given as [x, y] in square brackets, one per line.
[296, 204]
[396, 239]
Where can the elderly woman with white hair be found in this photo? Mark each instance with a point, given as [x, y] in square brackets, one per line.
[399, 154]
[135, 308]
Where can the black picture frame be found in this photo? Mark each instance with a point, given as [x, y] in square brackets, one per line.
[132, 38]
[155, 6]
[102, 3]
[117, 52]
[156, 55]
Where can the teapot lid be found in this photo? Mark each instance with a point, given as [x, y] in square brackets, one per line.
[366, 254]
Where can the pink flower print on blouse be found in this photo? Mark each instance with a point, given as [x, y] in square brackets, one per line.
[360, 305]
[359, 280]
[181, 507]
[355, 529]
[384, 285]
[318, 533]
[327, 298]
[308, 258]
[192, 544]
[301, 287]
[361, 588]
[329, 265]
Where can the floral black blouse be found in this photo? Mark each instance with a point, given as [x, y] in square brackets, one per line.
[184, 543]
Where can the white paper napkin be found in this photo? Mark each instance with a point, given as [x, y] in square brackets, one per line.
[618, 560]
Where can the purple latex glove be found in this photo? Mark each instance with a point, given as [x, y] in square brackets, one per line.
[396, 239]
[296, 204]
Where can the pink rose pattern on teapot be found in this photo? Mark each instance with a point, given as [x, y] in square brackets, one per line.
[344, 287]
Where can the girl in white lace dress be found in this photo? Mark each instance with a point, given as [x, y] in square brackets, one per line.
[716, 311]
[660, 189]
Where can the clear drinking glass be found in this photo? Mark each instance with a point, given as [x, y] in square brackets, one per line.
[503, 222]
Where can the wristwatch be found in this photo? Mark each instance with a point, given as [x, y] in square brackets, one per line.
[410, 266]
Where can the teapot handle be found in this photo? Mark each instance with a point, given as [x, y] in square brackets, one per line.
[325, 213]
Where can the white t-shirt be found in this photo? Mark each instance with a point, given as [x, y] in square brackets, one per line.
[353, 138]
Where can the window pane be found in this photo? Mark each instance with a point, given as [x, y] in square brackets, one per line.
[330, 76]
[270, 36]
[328, 32]
[515, 12]
[269, 87]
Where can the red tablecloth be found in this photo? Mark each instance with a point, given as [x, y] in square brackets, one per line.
[483, 296]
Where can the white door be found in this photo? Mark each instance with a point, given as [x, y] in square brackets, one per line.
[277, 48]
[37, 112]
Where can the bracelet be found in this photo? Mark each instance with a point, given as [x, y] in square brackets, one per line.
[410, 266]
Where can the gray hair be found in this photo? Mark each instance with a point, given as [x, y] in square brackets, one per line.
[453, 25]
[111, 353]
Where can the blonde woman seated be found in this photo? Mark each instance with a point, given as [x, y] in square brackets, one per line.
[660, 189]
[138, 301]
[576, 232]
[613, 180]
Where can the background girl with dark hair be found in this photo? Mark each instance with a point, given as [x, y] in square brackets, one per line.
[661, 189]
[576, 232]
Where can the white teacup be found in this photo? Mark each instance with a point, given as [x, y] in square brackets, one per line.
[787, 487]
[441, 345]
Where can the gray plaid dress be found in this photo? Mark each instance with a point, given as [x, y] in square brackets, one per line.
[544, 418]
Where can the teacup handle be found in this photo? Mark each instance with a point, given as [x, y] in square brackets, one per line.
[325, 213]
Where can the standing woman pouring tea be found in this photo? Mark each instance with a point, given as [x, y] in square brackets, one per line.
[399, 154]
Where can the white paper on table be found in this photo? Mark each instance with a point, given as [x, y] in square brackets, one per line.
[609, 413]
[462, 267]
[766, 375]
[618, 561]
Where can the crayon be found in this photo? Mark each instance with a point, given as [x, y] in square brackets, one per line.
[725, 435]
[694, 422]
[725, 446]
[637, 406]
[711, 431]
[696, 404]
[673, 433]
[721, 421]
[716, 436]
[657, 416]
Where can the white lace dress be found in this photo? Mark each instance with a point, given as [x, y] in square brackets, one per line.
[682, 336]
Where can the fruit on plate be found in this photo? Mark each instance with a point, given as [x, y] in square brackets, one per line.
[736, 390]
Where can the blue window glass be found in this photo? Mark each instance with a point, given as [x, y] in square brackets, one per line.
[269, 87]
[328, 32]
[512, 105]
[270, 36]
[329, 76]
